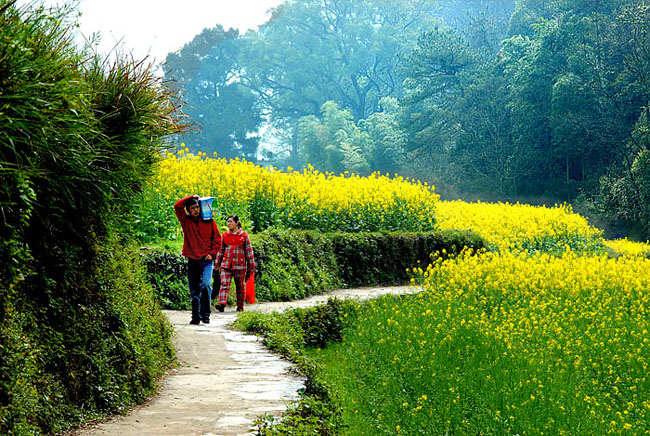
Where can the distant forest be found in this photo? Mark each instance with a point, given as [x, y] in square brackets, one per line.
[494, 99]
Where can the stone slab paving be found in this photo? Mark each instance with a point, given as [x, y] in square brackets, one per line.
[225, 379]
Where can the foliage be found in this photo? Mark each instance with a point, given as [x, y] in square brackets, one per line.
[292, 264]
[335, 143]
[290, 333]
[167, 273]
[627, 195]
[262, 197]
[366, 259]
[500, 343]
[80, 332]
[310, 52]
[549, 113]
[208, 70]
[67, 360]
[325, 323]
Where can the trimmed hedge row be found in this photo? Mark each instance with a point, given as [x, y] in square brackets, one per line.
[293, 264]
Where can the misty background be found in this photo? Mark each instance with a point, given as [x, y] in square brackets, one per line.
[506, 100]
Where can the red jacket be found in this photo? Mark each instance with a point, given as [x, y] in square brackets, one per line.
[236, 252]
[200, 237]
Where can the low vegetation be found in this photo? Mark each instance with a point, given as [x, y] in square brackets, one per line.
[81, 334]
[294, 264]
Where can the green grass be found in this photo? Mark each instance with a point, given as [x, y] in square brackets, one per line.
[407, 377]
[485, 350]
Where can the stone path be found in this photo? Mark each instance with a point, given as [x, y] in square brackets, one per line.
[225, 380]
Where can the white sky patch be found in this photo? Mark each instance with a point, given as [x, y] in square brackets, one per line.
[155, 28]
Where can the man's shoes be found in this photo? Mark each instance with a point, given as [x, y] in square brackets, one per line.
[195, 322]
[220, 307]
[240, 309]
[206, 320]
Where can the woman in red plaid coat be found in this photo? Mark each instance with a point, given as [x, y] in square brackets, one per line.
[236, 261]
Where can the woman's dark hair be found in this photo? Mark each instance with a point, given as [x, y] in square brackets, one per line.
[235, 218]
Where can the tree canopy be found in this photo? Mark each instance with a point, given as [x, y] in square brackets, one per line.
[503, 99]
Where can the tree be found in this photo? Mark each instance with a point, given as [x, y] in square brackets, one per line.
[484, 157]
[344, 51]
[208, 70]
[433, 79]
[625, 190]
[334, 143]
[388, 152]
[484, 23]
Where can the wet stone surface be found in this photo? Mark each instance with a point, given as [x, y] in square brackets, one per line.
[225, 378]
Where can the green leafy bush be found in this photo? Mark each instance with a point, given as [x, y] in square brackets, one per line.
[167, 272]
[80, 331]
[367, 259]
[324, 323]
[318, 411]
[293, 264]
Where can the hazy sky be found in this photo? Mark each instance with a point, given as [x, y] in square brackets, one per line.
[157, 27]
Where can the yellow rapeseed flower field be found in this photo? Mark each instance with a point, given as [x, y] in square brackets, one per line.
[625, 247]
[307, 199]
[504, 342]
[573, 331]
[521, 226]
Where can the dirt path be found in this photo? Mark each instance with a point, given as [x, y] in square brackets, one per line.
[225, 378]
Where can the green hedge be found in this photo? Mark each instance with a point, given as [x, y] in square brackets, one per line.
[293, 264]
[81, 334]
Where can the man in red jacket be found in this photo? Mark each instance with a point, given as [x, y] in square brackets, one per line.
[201, 243]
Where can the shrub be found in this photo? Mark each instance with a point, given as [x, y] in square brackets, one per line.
[324, 323]
[80, 332]
[167, 272]
[293, 264]
[367, 259]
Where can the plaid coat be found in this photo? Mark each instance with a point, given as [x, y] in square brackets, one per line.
[236, 252]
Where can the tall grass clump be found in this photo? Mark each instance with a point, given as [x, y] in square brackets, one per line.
[78, 138]
[502, 343]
